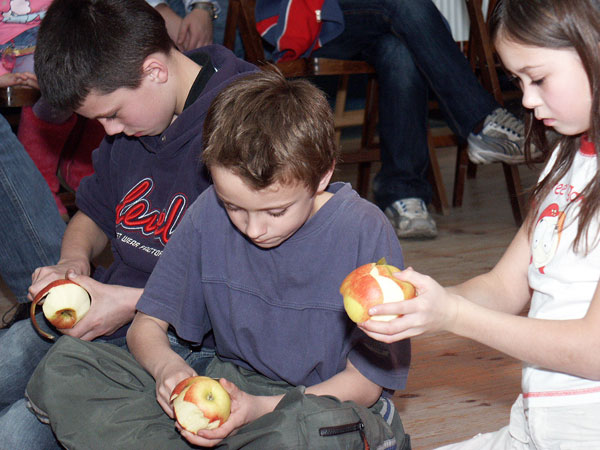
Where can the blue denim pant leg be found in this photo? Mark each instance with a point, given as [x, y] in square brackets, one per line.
[449, 76]
[21, 429]
[413, 52]
[33, 228]
[197, 357]
[21, 349]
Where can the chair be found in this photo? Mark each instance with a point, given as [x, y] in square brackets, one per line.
[240, 16]
[484, 63]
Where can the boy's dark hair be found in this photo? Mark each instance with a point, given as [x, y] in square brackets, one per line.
[99, 45]
[269, 129]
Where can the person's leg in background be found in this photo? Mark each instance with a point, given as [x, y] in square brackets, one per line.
[43, 130]
[493, 132]
[219, 30]
[401, 188]
[33, 227]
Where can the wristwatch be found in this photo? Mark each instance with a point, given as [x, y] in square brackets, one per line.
[208, 7]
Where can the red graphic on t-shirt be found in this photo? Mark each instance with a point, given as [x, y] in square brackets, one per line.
[135, 212]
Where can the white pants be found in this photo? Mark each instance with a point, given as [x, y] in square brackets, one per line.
[554, 428]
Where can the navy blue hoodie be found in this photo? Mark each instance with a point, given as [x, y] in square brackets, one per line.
[142, 186]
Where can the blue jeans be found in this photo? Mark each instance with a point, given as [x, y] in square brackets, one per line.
[33, 228]
[409, 44]
[21, 349]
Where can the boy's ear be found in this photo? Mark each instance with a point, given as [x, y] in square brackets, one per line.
[155, 69]
[325, 179]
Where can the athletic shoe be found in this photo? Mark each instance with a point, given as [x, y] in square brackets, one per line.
[19, 311]
[500, 140]
[410, 219]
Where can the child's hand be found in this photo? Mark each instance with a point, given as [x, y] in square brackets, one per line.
[196, 30]
[244, 409]
[433, 309]
[167, 379]
[43, 276]
[112, 307]
[19, 79]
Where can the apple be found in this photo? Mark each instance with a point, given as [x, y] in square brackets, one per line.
[200, 403]
[64, 303]
[372, 284]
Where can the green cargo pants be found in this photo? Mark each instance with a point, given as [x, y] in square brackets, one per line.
[96, 396]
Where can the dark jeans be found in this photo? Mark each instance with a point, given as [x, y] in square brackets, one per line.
[409, 44]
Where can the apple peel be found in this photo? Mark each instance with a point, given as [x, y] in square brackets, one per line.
[373, 284]
[200, 403]
[63, 302]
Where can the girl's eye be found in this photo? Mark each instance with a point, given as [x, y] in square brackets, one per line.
[278, 213]
[537, 82]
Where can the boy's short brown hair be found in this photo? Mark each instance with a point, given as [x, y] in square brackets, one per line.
[269, 129]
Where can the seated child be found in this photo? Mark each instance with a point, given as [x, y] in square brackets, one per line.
[258, 260]
[552, 266]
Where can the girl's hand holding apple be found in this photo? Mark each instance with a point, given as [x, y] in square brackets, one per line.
[436, 309]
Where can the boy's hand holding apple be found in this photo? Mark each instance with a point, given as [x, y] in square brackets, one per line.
[64, 303]
[245, 408]
[43, 276]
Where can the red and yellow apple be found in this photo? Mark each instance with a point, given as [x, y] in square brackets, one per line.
[200, 403]
[64, 303]
[373, 284]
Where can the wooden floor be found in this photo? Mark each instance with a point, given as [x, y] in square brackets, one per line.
[456, 387]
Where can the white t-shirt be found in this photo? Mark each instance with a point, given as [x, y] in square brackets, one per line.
[563, 282]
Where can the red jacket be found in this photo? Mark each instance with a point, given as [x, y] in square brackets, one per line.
[298, 27]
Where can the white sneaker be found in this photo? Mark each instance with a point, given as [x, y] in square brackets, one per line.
[410, 219]
[500, 140]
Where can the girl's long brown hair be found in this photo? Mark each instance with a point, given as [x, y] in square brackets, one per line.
[559, 24]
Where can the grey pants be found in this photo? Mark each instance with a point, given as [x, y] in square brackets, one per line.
[96, 396]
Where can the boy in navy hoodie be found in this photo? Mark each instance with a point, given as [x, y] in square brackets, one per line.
[112, 60]
[257, 260]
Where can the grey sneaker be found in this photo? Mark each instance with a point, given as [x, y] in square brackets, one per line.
[411, 219]
[500, 140]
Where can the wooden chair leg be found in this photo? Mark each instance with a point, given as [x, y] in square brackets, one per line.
[440, 200]
[367, 137]
[364, 179]
[340, 104]
[460, 174]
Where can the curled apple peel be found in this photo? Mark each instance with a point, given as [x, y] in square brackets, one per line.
[373, 284]
[63, 302]
[200, 403]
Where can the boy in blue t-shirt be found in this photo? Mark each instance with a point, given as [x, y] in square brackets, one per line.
[258, 260]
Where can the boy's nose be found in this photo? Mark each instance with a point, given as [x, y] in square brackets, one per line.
[111, 127]
[254, 227]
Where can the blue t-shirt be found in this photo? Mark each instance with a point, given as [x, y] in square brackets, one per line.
[278, 311]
